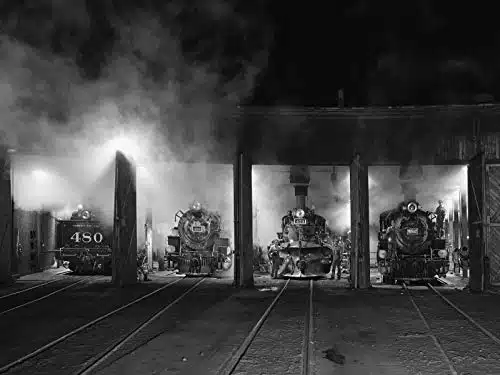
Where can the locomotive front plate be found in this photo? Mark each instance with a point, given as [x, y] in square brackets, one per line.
[300, 221]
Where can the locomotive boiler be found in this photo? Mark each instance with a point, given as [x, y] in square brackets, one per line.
[410, 246]
[303, 247]
[84, 243]
[196, 247]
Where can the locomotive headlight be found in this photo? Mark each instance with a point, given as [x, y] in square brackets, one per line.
[412, 207]
[196, 206]
[300, 213]
[228, 250]
[382, 254]
[85, 214]
[443, 253]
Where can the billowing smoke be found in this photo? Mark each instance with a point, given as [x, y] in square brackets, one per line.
[329, 192]
[436, 183]
[156, 84]
[273, 196]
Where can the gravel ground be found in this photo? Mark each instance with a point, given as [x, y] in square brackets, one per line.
[455, 333]
[204, 339]
[375, 331]
[33, 326]
[42, 290]
[68, 356]
[277, 348]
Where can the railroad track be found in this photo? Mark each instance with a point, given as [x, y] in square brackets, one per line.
[37, 285]
[85, 349]
[21, 298]
[253, 354]
[451, 329]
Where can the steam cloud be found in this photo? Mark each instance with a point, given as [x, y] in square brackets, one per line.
[159, 84]
[273, 196]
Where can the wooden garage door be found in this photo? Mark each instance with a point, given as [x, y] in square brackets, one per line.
[493, 217]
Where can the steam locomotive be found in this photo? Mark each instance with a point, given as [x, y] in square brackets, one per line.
[410, 245]
[303, 248]
[196, 247]
[84, 243]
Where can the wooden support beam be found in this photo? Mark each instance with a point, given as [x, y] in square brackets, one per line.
[243, 269]
[477, 220]
[360, 235]
[149, 236]
[464, 226]
[124, 257]
[6, 218]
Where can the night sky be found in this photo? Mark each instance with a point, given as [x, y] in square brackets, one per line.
[379, 52]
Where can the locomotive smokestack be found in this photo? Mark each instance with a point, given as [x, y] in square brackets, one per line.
[301, 195]
[299, 178]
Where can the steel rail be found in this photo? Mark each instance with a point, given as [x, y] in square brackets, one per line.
[43, 297]
[228, 367]
[308, 349]
[91, 364]
[431, 335]
[466, 316]
[33, 287]
[49, 345]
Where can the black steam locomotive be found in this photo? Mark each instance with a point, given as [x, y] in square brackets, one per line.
[410, 246]
[196, 248]
[83, 243]
[303, 248]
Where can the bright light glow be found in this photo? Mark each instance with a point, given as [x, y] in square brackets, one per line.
[40, 174]
[196, 206]
[412, 207]
[300, 213]
[128, 145]
[382, 254]
[448, 205]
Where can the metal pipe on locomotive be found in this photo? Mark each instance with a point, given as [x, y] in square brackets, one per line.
[84, 243]
[411, 245]
[196, 247]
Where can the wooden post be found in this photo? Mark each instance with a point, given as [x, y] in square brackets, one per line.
[477, 220]
[124, 255]
[464, 225]
[6, 217]
[360, 235]
[237, 228]
[149, 236]
[243, 228]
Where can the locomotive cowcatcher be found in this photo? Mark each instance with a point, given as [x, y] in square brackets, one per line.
[410, 246]
[303, 247]
[196, 247]
[84, 243]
